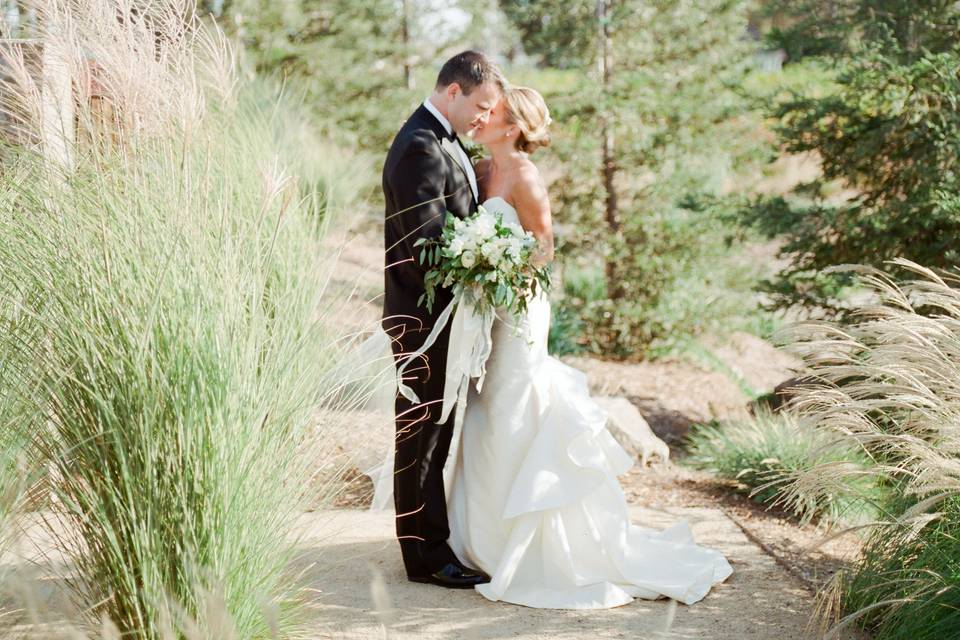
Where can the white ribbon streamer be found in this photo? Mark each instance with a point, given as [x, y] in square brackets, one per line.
[467, 353]
[470, 347]
[471, 342]
[442, 320]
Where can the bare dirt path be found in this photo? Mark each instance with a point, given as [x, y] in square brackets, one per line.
[362, 592]
[349, 564]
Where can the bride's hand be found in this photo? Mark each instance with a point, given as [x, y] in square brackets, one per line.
[542, 254]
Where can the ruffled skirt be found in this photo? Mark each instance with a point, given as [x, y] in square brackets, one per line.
[535, 500]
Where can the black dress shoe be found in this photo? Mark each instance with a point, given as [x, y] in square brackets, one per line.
[454, 576]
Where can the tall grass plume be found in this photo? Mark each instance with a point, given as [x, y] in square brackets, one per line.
[169, 276]
[891, 389]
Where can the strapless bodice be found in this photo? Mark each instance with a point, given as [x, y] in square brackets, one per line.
[499, 206]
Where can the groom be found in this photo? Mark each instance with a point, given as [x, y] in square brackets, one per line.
[427, 173]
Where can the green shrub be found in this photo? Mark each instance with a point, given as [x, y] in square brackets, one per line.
[689, 278]
[888, 139]
[763, 454]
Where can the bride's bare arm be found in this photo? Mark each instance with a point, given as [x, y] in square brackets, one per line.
[533, 209]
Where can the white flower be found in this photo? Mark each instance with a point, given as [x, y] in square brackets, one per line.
[513, 253]
[492, 276]
[491, 251]
[468, 240]
[511, 242]
[515, 229]
[485, 226]
[456, 246]
[468, 259]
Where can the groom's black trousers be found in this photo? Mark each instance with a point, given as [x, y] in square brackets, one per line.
[422, 447]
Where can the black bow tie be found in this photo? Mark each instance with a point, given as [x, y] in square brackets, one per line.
[452, 137]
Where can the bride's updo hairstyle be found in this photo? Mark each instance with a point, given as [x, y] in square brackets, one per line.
[526, 109]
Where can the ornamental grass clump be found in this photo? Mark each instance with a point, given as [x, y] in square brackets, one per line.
[762, 453]
[173, 344]
[13, 474]
[891, 388]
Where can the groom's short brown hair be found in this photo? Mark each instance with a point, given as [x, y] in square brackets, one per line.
[470, 69]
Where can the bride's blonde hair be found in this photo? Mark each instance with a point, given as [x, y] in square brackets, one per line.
[526, 108]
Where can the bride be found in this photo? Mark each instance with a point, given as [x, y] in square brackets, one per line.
[534, 499]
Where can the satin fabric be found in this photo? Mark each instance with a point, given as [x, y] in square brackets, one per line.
[532, 494]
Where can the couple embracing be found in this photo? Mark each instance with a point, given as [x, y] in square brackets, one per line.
[516, 493]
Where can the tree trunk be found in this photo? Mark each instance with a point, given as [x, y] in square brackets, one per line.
[608, 161]
[405, 32]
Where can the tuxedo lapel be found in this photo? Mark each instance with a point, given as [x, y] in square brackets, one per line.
[453, 149]
[449, 146]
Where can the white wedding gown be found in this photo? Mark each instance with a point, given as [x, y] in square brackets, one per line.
[534, 498]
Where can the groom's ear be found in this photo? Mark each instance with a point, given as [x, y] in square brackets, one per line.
[453, 89]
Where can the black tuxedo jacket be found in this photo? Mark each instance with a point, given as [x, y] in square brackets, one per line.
[421, 183]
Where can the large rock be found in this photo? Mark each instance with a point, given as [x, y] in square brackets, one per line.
[783, 395]
[631, 430]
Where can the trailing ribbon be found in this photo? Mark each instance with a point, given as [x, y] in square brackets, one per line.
[442, 320]
[469, 348]
[471, 343]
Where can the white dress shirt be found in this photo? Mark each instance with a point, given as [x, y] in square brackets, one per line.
[464, 160]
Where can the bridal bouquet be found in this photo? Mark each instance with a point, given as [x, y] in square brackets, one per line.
[485, 258]
[489, 264]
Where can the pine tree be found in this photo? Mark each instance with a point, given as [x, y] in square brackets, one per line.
[890, 134]
[652, 134]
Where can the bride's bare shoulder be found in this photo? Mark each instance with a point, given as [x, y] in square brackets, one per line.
[528, 178]
[526, 165]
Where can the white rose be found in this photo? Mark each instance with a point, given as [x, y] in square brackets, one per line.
[485, 226]
[456, 246]
[468, 259]
[515, 229]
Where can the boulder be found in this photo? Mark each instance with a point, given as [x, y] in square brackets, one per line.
[631, 430]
